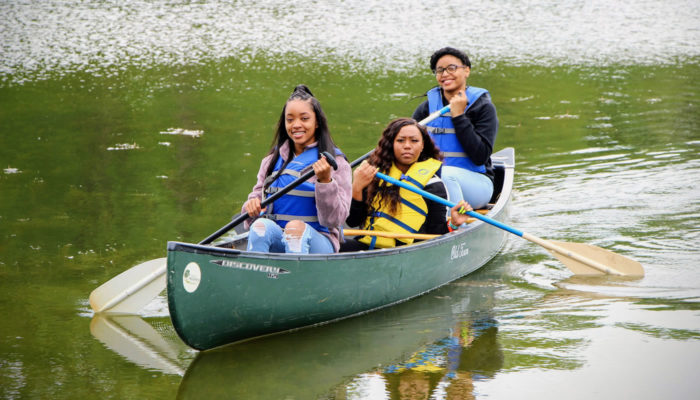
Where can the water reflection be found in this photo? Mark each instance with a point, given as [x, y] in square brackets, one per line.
[577, 344]
[447, 336]
[139, 342]
[448, 368]
[449, 344]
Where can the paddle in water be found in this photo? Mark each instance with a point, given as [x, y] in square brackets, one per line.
[580, 258]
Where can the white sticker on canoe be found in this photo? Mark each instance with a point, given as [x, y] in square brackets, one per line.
[459, 251]
[191, 277]
[272, 272]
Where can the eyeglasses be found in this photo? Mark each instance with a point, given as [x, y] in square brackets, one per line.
[450, 68]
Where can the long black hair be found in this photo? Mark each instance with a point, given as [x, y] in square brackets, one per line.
[322, 133]
[383, 157]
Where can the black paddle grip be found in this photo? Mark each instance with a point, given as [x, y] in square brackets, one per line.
[330, 159]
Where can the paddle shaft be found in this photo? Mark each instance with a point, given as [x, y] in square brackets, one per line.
[542, 242]
[243, 216]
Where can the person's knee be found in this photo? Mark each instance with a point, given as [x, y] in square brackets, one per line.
[293, 232]
[258, 227]
[295, 228]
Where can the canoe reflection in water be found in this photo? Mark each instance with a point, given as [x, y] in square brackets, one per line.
[340, 360]
[439, 342]
[448, 366]
[153, 346]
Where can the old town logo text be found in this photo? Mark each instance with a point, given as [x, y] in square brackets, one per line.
[459, 251]
[272, 272]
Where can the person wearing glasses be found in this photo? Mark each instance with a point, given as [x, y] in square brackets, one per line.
[467, 134]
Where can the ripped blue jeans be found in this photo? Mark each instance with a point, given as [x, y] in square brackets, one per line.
[268, 237]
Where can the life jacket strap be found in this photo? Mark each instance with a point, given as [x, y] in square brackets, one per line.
[440, 131]
[379, 214]
[286, 217]
[413, 207]
[453, 154]
[285, 171]
[372, 243]
[293, 192]
[411, 181]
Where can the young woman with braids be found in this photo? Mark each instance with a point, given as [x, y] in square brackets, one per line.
[308, 218]
[406, 152]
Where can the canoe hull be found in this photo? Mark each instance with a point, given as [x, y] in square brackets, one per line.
[219, 296]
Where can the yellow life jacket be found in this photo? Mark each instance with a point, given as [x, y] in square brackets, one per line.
[411, 211]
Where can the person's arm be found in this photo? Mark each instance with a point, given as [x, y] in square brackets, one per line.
[436, 220]
[361, 179]
[421, 112]
[476, 129]
[252, 205]
[358, 214]
[333, 198]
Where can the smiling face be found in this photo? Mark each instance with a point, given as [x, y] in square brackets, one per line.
[408, 145]
[300, 122]
[451, 82]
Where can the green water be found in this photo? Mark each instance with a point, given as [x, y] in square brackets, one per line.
[152, 129]
[606, 156]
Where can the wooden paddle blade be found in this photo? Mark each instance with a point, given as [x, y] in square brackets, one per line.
[614, 261]
[130, 291]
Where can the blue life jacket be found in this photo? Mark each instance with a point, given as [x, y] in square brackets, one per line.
[300, 202]
[442, 130]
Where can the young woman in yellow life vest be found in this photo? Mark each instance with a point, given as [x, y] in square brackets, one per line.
[406, 152]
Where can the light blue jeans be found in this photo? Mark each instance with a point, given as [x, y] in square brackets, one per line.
[462, 184]
[268, 237]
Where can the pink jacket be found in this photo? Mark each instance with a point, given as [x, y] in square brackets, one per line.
[332, 198]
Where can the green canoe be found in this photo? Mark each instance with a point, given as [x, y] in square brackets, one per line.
[224, 294]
